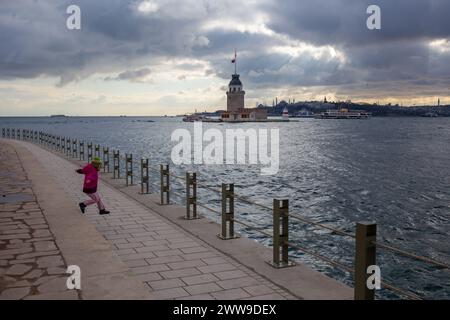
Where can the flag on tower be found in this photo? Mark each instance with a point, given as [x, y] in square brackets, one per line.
[235, 57]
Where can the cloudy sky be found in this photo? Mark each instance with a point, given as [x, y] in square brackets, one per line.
[153, 57]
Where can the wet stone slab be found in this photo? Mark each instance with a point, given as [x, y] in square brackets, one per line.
[15, 198]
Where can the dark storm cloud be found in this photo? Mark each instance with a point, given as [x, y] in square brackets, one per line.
[35, 40]
[343, 22]
[116, 38]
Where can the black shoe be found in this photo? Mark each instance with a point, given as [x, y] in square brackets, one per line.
[82, 207]
[102, 212]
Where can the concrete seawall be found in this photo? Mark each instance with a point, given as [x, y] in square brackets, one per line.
[148, 246]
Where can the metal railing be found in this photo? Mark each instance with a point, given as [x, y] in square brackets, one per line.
[364, 237]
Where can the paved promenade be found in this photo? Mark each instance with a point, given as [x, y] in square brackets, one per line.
[42, 232]
[31, 264]
[142, 250]
[170, 262]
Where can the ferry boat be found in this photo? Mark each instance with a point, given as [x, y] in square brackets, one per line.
[304, 114]
[430, 115]
[343, 113]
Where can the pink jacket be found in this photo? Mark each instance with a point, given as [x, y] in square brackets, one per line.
[90, 178]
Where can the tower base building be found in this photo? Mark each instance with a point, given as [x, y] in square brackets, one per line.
[236, 111]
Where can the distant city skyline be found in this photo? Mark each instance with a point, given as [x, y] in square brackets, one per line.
[154, 57]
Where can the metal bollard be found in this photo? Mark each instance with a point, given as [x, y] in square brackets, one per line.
[13, 133]
[129, 169]
[3, 133]
[191, 196]
[8, 134]
[63, 145]
[280, 234]
[89, 148]
[365, 256]
[97, 150]
[36, 136]
[145, 179]
[69, 146]
[228, 212]
[116, 164]
[81, 153]
[105, 159]
[75, 149]
[58, 143]
[165, 183]
[18, 134]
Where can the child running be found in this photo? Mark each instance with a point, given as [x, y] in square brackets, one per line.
[90, 172]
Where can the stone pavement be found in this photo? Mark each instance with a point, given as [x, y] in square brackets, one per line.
[172, 263]
[31, 264]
